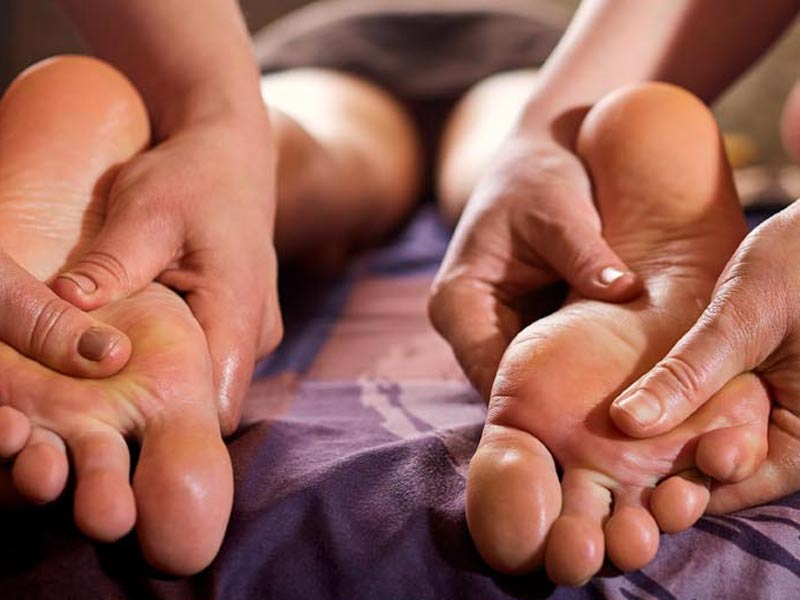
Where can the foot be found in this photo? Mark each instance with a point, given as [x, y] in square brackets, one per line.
[182, 490]
[790, 124]
[61, 160]
[669, 209]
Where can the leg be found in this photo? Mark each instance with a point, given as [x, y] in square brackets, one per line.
[59, 161]
[669, 209]
[349, 162]
[479, 123]
[790, 124]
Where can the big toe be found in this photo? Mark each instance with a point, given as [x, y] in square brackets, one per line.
[184, 491]
[513, 497]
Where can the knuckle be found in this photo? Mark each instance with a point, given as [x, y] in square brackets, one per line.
[682, 377]
[46, 323]
[583, 258]
[108, 267]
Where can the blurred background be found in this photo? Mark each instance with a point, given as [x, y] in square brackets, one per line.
[34, 29]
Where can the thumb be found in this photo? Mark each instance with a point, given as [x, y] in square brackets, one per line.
[42, 326]
[711, 353]
[477, 327]
[131, 250]
[587, 263]
[229, 320]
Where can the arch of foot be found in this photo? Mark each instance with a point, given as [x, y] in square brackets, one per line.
[66, 126]
[669, 209]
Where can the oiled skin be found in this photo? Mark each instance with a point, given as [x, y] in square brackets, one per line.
[669, 210]
[65, 126]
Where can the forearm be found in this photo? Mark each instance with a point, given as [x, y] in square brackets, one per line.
[190, 60]
[702, 45]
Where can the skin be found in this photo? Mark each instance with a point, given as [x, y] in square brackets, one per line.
[495, 277]
[165, 219]
[751, 325]
[52, 190]
[536, 178]
[65, 162]
[676, 221]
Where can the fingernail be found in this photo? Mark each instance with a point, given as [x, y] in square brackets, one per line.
[643, 408]
[610, 274]
[87, 285]
[96, 343]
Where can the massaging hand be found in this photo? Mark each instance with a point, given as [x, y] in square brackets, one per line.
[529, 223]
[195, 213]
[752, 324]
[37, 323]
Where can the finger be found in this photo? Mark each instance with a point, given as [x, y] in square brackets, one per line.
[183, 486]
[40, 469]
[231, 324]
[40, 325]
[776, 477]
[580, 255]
[699, 365]
[135, 244]
[679, 501]
[477, 326]
[104, 505]
[15, 429]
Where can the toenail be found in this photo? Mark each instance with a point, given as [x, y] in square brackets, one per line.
[610, 274]
[87, 285]
[96, 343]
[644, 408]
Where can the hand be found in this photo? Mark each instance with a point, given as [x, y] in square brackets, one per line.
[530, 222]
[196, 213]
[40, 325]
[752, 324]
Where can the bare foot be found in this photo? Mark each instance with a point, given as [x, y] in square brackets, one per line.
[790, 124]
[670, 210]
[65, 125]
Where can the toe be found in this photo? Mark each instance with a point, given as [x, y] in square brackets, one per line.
[631, 532]
[184, 490]
[733, 453]
[775, 478]
[513, 497]
[15, 428]
[679, 501]
[739, 416]
[40, 469]
[575, 547]
[104, 505]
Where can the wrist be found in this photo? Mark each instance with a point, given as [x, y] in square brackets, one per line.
[558, 122]
[237, 105]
